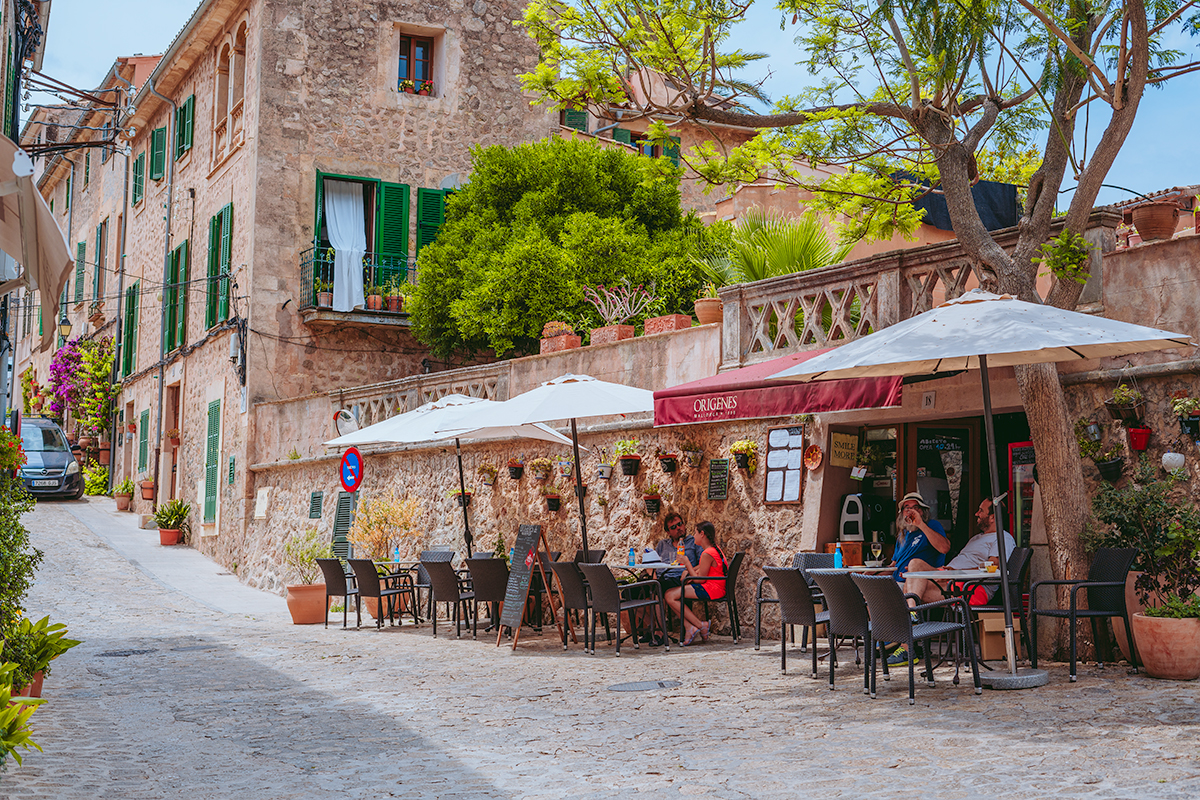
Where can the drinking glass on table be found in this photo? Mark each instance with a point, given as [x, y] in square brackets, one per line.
[876, 550]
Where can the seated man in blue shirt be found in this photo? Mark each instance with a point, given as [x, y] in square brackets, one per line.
[918, 537]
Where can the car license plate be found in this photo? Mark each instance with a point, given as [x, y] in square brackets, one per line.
[50, 482]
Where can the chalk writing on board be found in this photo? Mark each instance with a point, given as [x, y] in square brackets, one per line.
[718, 479]
[520, 572]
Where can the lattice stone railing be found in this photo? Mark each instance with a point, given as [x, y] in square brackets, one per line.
[379, 401]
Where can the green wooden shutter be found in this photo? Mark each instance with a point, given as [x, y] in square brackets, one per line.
[158, 153]
[342, 518]
[315, 505]
[39, 320]
[144, 441]
[87, 168]
[129, 337]
[184, 119]
[226, 265]
[212, 456]
[214, 260]
[431, 213]
[576, 119]
[319, 211]
[70, 187]
[672, 152]
[181, 292]
[80, 263]
[391, 233]
[99, 252]
[623, 135]
[139, 178]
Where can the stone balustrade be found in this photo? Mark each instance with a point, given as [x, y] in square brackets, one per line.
[378, 401]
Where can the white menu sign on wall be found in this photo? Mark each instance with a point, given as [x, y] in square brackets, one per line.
[784, 465]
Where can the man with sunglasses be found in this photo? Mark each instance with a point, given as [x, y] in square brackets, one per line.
[668, 550]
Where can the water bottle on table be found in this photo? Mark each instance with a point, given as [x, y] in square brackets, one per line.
[837, 556]
[632, 557]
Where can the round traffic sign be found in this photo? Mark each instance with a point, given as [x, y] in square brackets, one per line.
[351, 470]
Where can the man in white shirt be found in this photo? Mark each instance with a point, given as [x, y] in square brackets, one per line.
[976, 554]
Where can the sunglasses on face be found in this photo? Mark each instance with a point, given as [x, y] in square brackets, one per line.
[674, 526]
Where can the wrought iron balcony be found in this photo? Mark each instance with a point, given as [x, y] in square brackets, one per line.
[393, 275]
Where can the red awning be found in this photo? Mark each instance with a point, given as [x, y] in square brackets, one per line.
[747, 394]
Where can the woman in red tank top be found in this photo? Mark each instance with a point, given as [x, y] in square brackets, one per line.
[712, 568]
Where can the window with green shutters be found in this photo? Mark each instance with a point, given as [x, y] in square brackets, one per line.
[212, 457]
[80, 265]
[129, 333]
[575, 119]
[185, 118]
[139, 178]
[98, 270]
[176, 300]
[431, 213]
[220, 256]
[390, 232]
[87, 168]
[342, 519]
[623, 135]
[158, 153]
[69, 188]
[39, 321]
[144, 441]
[672, 152]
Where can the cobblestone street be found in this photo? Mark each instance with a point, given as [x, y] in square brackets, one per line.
[169, 697]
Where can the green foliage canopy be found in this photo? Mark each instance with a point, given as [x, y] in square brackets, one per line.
[536, 225]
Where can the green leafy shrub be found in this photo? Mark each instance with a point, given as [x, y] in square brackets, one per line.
[124, 487]
[15, 733]
[95, 479]
[18, 558]
[173, 515]
[300, 554]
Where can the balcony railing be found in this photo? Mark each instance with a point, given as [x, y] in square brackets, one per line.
[377, 402]
[316, 272]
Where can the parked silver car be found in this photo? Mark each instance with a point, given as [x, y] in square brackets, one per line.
[52, 469]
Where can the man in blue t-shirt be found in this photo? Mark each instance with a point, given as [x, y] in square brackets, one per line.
[918, 536]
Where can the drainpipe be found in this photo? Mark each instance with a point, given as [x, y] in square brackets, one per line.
[119, 339]
[170, 156]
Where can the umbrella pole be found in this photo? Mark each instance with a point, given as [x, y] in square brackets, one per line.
[998, 509]
[462, 488]
[579, 490]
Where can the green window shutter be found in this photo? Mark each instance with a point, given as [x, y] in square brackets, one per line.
[226, 263]
[214, 260]
[576, 119]
[431, 213]
[184, 120]
[129, 337]
[623, 135]
[391, 233]
[342, 519]
[70, 181]
[144, 441]
[80, 265]
[315, 503]
[672, 152]
[212, 456]
[158, 153]
[232, 473]
[139, 178]
[39, 320]
[319, 214]
[182, 269]
[87, 168]
[96, 271]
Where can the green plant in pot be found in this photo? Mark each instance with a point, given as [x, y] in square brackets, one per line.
[15, 711]
[123, 493]
[668, 460]
[627, 452]
[32, 646]
[306, 601]
[172, 521]
[487, 472]
[652, 497]
[605, 467]
[692, 452]
[1188, 410]
[1126, 403]
[553, 497]
[745, 453]
[540, 468]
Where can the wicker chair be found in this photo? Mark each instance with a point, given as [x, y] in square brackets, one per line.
[730, 598]
[891, 621]
[1105, 586]
[796, 607]
[593, 556]
[848, 617]
[337, 584]
[1019, 561]
[421, 581]
[489, 581]
[575, 598]
[609, 597]
[371, 585]
[802, 562]
[449, 588]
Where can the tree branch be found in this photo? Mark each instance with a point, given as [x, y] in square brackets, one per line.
[1062, 36]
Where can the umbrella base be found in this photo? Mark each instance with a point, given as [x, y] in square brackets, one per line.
[1024, 679]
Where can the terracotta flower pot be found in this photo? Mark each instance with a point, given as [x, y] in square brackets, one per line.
[665, 324]
[307, 603]
[168, 536]
[612, 333]
[104, 455]
[174, 441]
[556, 344]
[324, 299]
[709, 310]
[34, 687]
[122, 501]
[375, 302]
[1135, 607]
[394, 304]
[1156, 220]
[1169, 648]
[147, 488]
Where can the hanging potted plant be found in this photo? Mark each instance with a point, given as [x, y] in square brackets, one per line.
[1111, 464]
[1125, 404]
[487, 473]
[516, 467]
[147, 487]
[173, 436]
[1139, 437]
[745, 453]
[324, 290]
[564, 466]
[558, 336]
[652, 496]
[123, 493]
[709, 308]
[553, 497]
[626, 452]
[131, 427]
[306, 600]
[172, 521]
[692, 452]
[540, 468]
[617, 305]
[462, 499]
[1188, 411]
[605, 468]
[667, 460]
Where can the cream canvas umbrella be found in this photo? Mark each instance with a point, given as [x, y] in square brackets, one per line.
[976, 331]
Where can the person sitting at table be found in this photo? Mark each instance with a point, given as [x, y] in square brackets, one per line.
[668, 551]
[712, 567]
[918, 537]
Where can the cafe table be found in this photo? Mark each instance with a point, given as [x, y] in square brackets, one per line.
[953, 574]
[862, 570]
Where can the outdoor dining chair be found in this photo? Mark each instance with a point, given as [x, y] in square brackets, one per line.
[447, 587]
[489, 581]
[337, 584]
[1019, 560]
[892, 621]
[730, 598]
[796, 607]
[609, 597]
[537, 588]
[421, 582]
[575, 598]
[848, 618]
[1105, 586]
[802, 562]
[372, 585]
[591, 557]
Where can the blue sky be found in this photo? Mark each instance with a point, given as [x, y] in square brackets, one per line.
[87, 36]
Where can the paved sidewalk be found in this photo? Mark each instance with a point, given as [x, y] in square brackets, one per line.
[169, 698]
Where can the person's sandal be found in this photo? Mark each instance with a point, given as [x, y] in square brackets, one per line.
[691, 637]
[704, 629]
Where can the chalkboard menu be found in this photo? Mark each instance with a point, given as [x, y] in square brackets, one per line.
[520, 571]
[785, 457]
[718, 479]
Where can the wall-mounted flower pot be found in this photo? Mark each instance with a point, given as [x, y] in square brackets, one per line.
[1111, 470]
[1190, 426]
[147, 488]
[516, 472]
[553, 503]
[556, 344]
[668, 463]
[104, 455]
[694, 457]
[1139, 438]
[742, 459]
[709, 310]
[612, 333]
[540, 474]
[630, 465]
[653, 503]
[174, 440]
[487, 480]
[1125, 413]
[605, 471]
[564, 468]
[463, 499]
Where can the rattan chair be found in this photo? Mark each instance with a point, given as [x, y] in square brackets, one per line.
[592, 557]
[372, 585]
[730, 598]
[337, 584]
[421, 578]
[448, 587]
[609, 597]
[848, 618]
[1019, 561]
[796, 607]
[489, 581]
[574, 594]
[802, 562]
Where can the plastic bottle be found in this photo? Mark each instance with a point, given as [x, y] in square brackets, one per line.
[512, 551]
[632, 557]
[837, 556]
[679, 552]
[396, 555]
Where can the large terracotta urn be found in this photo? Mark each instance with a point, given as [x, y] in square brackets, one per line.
[1169, 648]
[307, 603]
[709, 310]
[1155, 220]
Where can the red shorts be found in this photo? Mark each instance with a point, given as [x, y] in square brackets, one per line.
[979, 595]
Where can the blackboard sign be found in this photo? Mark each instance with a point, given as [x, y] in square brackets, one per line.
[718, 479]
[520, 571]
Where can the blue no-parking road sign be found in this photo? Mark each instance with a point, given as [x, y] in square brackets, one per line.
[351, 469]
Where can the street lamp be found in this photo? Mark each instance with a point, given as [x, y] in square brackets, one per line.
[64, 326]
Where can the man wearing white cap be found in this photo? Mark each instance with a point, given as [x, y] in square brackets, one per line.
[918, 536]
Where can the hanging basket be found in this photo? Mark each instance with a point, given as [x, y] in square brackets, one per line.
[1139, 438]
[1111, 470]
[742, 459]
[630, 465]
[1125, 413]
[653, 503]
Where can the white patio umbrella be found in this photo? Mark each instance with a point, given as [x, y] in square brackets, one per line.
[976, 331]
[566, 397]
[440, 420]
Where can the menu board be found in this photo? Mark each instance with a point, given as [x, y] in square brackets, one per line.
[718, 479]
[784, 465]
[520, 571]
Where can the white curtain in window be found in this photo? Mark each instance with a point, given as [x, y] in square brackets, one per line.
[347, 229]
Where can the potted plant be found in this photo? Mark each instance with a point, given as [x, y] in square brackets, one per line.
[172, 521]
[104, 453]
[1111, 463]
[1188, 411]
[558, 336]
[692, 452]
[564, 466]
[540, 468]
[1139, 437]
[461, 498]
[626, 452]
[745, 453]
[487, 472]
[123, 493]
[131, 427]
[38, 643]
[147, 487]
[652, 496]
[553, 497]
[1156, 219]
[1125, 404]
[605, 468]
[617, 305]
[306, 600]
[408, 87]
[709, 308]
[424, 88]
[667, 460]
[516, 466]
[173, 436]
[395, 296]
[324, 290]
[666, 324]
[375, 297]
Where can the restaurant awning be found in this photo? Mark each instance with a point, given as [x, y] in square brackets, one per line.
[747, 393]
